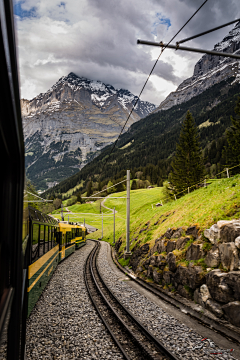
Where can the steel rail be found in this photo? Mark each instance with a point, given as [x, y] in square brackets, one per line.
[89, 258]
[162, 351]
[185, 48]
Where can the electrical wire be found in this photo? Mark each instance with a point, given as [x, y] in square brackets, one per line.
[129, 115]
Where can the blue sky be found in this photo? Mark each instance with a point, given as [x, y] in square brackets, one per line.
[23, 13]
[160, 20]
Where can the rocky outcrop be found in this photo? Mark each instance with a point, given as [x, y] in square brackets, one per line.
[208, 71]
[213, 257]
[232, 311]
[229, 256]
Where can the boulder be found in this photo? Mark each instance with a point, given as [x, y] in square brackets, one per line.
[232, 279]
[168, 234]
[218, 287]
[137, 254]
[153, 260]
[222, 223]
[194, 252]
[213, 257]
[237, 242]
[150, 271]
[180, 243]
[139, 269]
[158, 239]
[229, 232]
[171, 245]
[157, 275]
[146, 263]
[232, 312]
[192, 230]
[181, 276]
[214, 307]
[168, 277]
[178, 233]
[161, 262]
[196, 277]
[184, 292]
[171, 260]
[201, 295]
[212, 234]
[229, 256]
[161, 247]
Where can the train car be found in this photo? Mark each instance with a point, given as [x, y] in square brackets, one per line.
[81, 233]
[43, 253]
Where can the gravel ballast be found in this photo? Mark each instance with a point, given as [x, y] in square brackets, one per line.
[64, 323]
[185, 342]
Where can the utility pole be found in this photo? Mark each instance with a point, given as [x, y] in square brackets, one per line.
[114, 225]
[100, 205]
[102, 225]
[62, 212]
[127, 252]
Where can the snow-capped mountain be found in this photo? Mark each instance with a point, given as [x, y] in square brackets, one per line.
[65, 127]
[208, 71]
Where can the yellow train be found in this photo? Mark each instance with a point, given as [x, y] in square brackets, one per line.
[49, 243]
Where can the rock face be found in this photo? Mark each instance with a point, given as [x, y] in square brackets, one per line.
[229, 256]
[213, 258]
[208, 71]
[232, 311]
[68, 125]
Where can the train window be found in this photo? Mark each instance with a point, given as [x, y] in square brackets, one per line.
[46, 238]
[54, 229]
[49, 238]
[41, 241]
[35, 237]
[80, 232]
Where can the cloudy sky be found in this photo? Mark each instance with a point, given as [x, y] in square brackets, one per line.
[97, 39]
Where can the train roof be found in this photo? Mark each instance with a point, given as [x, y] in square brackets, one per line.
[36, 215]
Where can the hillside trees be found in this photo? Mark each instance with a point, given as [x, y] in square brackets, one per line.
[187, 164]
[232, 149]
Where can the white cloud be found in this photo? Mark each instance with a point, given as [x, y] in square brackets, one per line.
[97, 39]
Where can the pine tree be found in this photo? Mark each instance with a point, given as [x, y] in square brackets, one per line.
[134, 185]
[187, 165]
[232, 149]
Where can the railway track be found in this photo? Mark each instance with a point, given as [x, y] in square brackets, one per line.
[133, 339]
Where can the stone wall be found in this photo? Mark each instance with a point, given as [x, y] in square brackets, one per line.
[204, 267]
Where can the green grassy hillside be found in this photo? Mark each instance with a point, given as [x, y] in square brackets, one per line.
[203, 207]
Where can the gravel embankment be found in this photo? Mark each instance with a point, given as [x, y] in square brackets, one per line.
[176, 336]
[64, 323]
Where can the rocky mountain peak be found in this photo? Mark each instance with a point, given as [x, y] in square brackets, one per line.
[208, 71]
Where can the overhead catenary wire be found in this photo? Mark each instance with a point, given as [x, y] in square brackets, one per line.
[135, 103]
[207, 32]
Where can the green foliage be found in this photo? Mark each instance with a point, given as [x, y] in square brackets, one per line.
[124, 262]
[134, 185]
[187, 165]
[112, 189]
[232, 149]
[168, 192]
[57, 203]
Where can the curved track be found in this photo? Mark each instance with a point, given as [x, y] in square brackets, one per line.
[132, 338]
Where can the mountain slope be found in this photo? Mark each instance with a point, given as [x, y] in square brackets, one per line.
[67, 126]
[208, 71]
[153, 139]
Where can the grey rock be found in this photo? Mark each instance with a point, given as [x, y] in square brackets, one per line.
[184, 292]
[198, 298]
[168, 234]
[205, 294]
[181, 276]
[153, 260]
[171, 260]
[196, 277]
[137, 254]
[229, 256]
[230, 232]
[192, 230]
[218, 288]
[194, 252]
[171, 245]
[232, 312]
[168, 277]
[161, 247]
[232, 279]
[214, 307]
[178, 233]
[237, 242]
[213, 257]
[161, 262]
[180, 243]
[150, 271]
[212, 234]
[157, 275]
